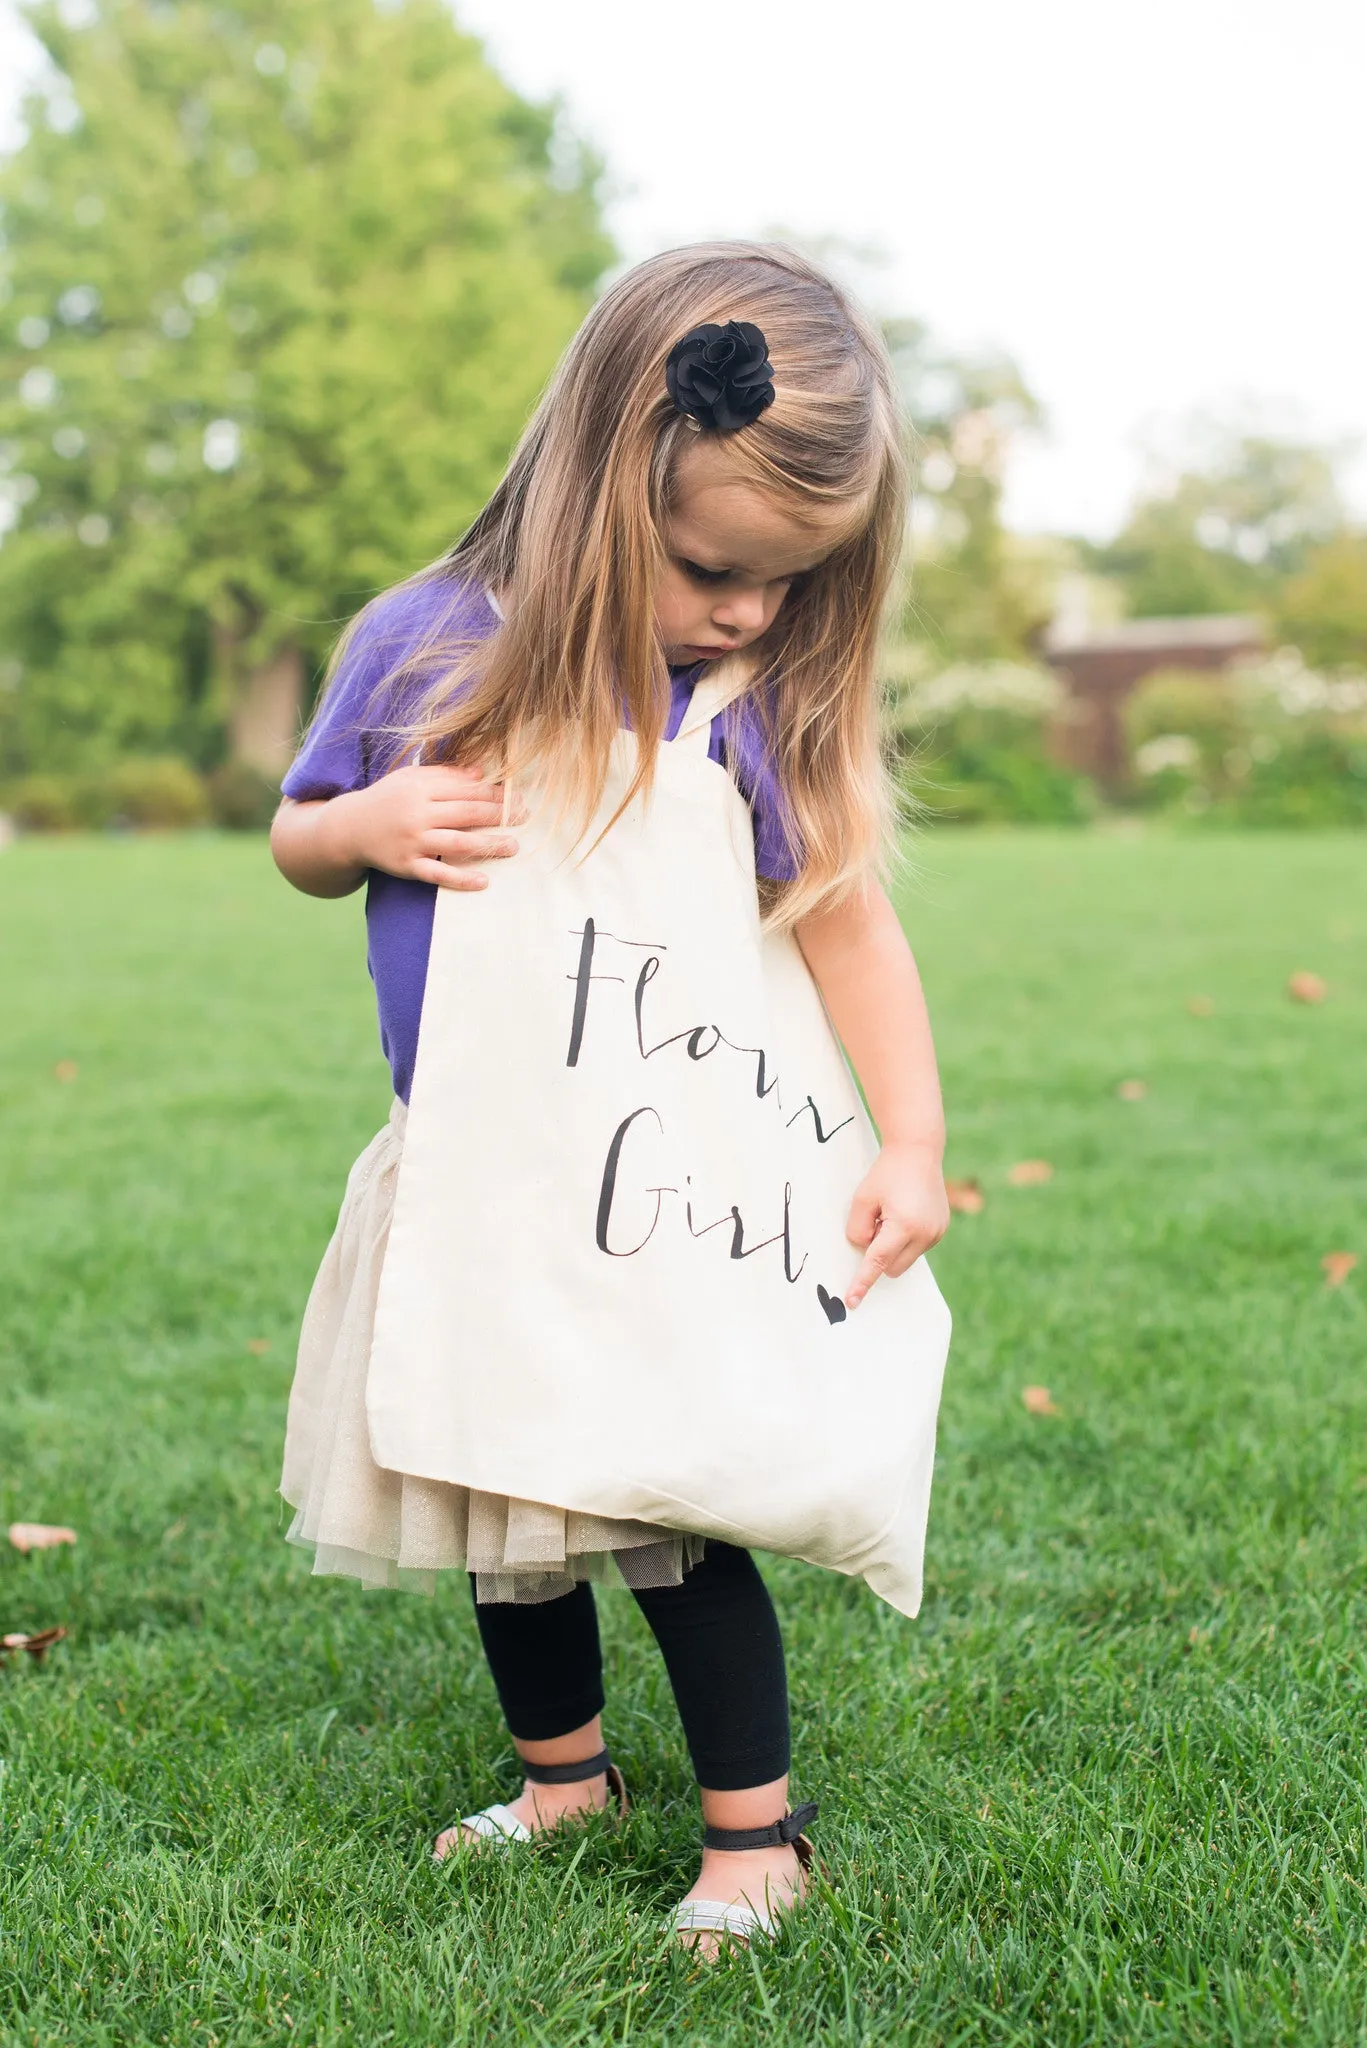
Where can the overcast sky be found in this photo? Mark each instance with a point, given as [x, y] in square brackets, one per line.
[1155, 208]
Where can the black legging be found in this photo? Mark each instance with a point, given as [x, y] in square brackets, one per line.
[722, 1650]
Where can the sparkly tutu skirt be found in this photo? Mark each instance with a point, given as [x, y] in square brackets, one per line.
[391, 1528]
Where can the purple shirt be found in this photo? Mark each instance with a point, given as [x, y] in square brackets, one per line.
[348, 747]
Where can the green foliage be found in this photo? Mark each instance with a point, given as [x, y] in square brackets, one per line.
[1317, 780]
[1200, 706]
[156, 792]
[977, 744]
[46, 803]
[283, 282]
[1220, 533]
[972, 593]
[161, 792]
[242, 798]
[1167, 573]
[996, 777]
[1106, 1790]
[1275, 744]
[1323, 610]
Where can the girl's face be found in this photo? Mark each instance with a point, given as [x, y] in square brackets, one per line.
[732, 556]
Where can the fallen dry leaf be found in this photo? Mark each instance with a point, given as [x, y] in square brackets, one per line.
[1337, 1266]
[1132, 1091]
[1030, 1173]
[258, 1346]
[966, 1198]
[37, 1645]
[1201, 1006]
[1039, 1401]
[1307, 988]
[28, 1536]
[65, 1070]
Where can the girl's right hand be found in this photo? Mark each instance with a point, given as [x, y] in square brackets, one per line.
[431, 825]
[424, 824]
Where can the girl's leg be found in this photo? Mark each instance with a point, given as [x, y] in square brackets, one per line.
[548, 1672]
[546, 1663]
[724, 1654]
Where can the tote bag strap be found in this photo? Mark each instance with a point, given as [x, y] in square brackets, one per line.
[719, 687]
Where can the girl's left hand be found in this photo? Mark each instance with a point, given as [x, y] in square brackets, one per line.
[900, 1210]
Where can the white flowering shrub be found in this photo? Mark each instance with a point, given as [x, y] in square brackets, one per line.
[1016, 689]
[1283, 684]
[1270, 742]
[1166, 751]
[977, 738]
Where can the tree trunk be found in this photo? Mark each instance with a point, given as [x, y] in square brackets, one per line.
[264, 720]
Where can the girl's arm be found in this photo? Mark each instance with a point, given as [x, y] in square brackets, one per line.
[426, 824]
[863, 966]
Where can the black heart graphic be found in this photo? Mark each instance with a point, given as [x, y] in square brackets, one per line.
[835, 1308]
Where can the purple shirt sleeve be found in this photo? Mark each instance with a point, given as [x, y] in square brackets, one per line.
[347, 745]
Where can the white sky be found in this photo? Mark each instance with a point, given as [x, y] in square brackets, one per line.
[1155, 208]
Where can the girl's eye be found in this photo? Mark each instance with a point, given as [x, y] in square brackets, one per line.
[697, 574]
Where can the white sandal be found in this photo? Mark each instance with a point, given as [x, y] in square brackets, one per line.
[493, 1824]
[738, 1918]
[501, 1826]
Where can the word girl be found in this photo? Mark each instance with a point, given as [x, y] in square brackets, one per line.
[617, 1289]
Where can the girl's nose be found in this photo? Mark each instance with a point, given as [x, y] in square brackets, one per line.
[740, 612]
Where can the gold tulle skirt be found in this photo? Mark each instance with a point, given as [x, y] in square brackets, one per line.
[391, 1528]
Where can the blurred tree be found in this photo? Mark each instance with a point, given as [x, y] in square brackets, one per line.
[973, 592]
[1323, 610]
[1219, 532]
[282, 279]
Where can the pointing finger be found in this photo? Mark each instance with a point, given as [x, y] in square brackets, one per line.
[884, 1255]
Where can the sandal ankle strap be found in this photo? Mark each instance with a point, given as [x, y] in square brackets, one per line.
[567, 1774]
[782, 1835]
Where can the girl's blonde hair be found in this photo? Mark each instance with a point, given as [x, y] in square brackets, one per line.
[572, 544]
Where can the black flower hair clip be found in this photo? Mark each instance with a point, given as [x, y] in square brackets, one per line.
[721, 376]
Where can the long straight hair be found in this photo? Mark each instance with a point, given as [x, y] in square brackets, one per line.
[572, 544]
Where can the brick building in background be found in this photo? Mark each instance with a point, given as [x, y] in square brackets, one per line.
[1101, 665]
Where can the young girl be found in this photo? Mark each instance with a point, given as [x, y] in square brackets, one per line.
[618, 1287]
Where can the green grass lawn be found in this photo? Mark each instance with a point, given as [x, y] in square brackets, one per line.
[1108, 1789]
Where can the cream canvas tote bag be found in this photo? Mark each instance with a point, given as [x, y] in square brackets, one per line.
[613, 1281]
